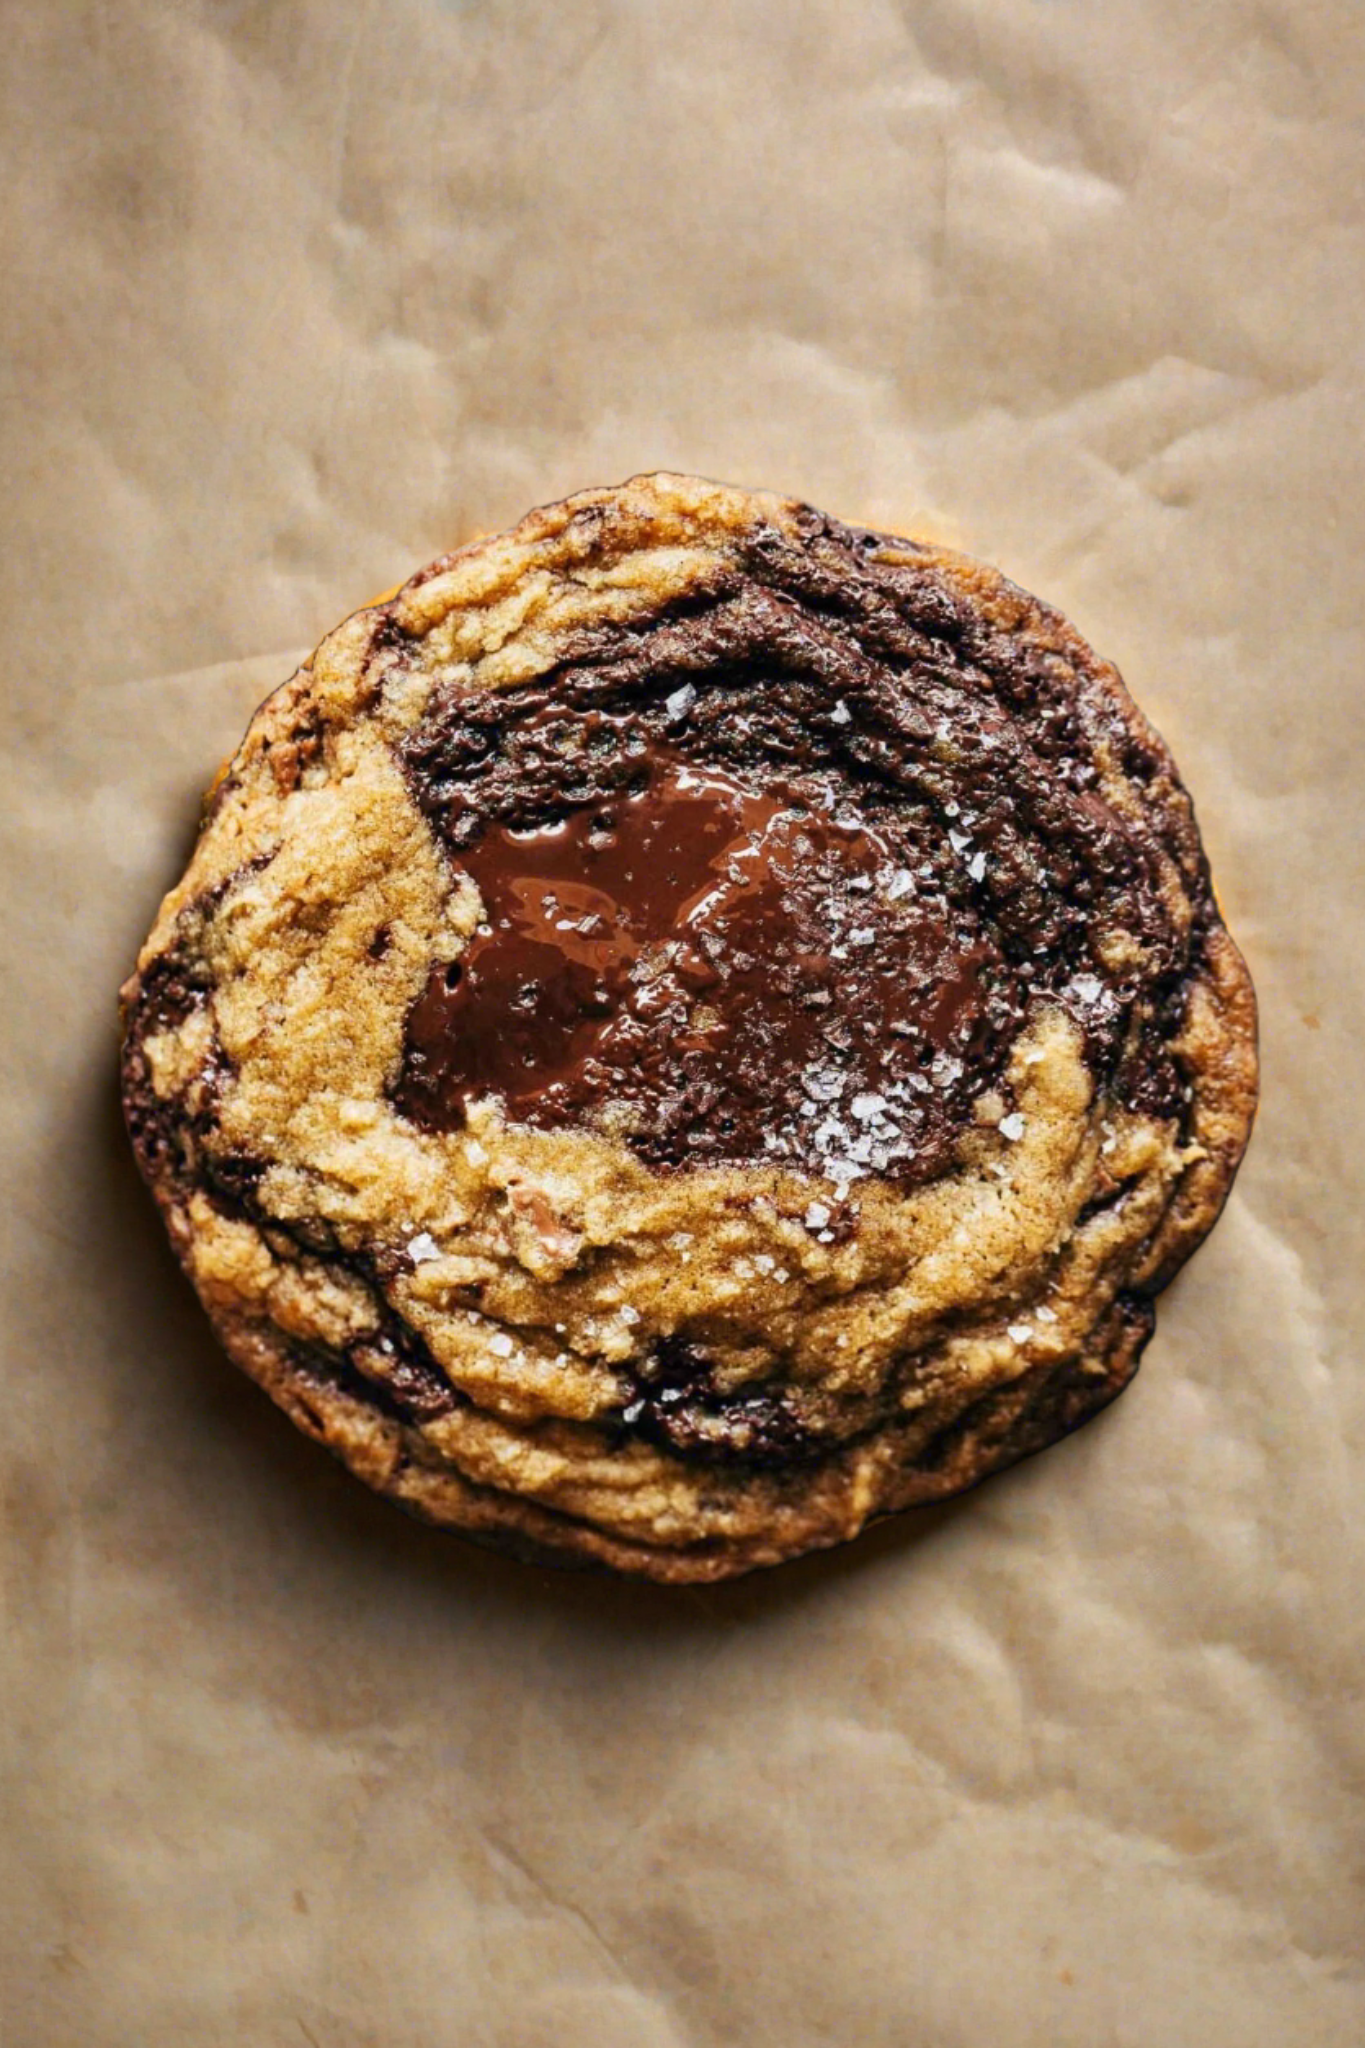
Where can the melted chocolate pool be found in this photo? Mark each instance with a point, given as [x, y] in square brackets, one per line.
[711, 971]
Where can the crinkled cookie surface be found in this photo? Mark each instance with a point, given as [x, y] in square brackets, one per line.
[688, 1028]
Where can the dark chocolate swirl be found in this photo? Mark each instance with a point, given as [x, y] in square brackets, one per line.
[780, 877]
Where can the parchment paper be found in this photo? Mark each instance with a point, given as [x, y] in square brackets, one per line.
[296, 295]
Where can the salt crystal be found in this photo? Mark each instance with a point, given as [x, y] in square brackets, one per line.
[959, 841]
[1020, 1333]
[1087, 988]
[764, 1261]
[501, 1344]
[816, 1216]
[865, 1107]
[1013, 1125]
[423, 1248]
[864, 936]
[976, 867]
[826, 1237]
[841, 715]
[629, 1314]
[681, 701]
[1045, 1315]
[902, 883]
[475, 1153]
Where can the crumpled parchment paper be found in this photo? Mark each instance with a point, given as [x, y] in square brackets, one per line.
[295, 296]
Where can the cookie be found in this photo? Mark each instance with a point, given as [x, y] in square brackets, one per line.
[688, 1028]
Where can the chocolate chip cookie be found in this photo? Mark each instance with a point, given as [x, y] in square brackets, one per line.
[688, 1028]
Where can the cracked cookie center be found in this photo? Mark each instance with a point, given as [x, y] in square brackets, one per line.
[712, 971]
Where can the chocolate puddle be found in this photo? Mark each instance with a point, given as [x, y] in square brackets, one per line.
[713, 971]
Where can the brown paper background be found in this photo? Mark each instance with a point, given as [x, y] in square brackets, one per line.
[295, 295]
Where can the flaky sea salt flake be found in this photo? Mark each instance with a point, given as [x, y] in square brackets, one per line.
[866, 1107]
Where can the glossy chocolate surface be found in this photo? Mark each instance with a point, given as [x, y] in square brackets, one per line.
[694, 956]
